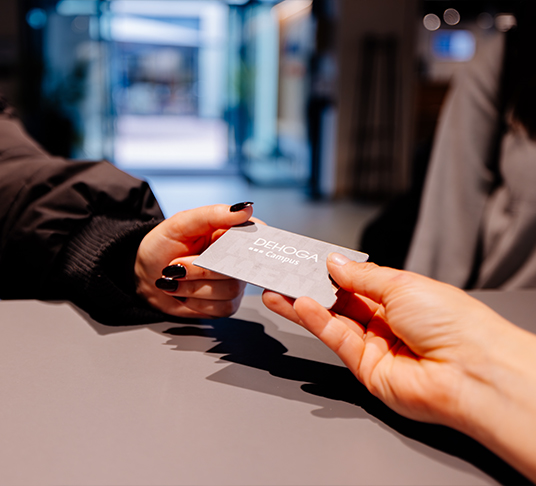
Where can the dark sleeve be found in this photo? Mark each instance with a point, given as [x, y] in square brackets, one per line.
[70, 230]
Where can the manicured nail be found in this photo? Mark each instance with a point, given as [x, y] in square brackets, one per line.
[239, 206]
[174, 271]
[241, 225]
[338, 259]
[167, 284]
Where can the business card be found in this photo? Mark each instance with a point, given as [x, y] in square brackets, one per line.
[278, 260]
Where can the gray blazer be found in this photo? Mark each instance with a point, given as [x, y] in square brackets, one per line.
[462, 209]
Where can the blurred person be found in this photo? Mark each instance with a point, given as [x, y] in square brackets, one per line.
[477, 219]
[89, 233]
[430, 352]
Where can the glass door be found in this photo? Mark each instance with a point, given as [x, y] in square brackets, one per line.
[184, 86]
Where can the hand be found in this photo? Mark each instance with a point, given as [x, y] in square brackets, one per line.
[414, 342]
[175, 243]
[431, 352]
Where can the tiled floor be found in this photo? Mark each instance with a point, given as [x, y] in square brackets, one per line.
[338, 222]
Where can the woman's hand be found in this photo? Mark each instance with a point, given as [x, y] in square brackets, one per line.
[431, 352]
[423, 347]
[165, 274]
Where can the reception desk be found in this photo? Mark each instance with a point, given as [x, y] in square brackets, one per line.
[249, 400]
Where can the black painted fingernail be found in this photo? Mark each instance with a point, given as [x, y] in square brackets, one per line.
[239, 206]
[180, 299]
[167, 284]
[174, 271]
[247, 223]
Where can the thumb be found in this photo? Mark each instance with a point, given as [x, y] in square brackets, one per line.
[366, 279]
[205, 220]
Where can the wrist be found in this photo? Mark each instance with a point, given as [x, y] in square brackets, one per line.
[497, 404]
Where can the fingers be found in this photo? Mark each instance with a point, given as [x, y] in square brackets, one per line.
[215, 290]
[356, 307]
[164, 270]
[205, 220]
[193, 307]
[336, 333]
[213, 308]
[191, 271]
[284, 306]
[366, 279]
[181, 278]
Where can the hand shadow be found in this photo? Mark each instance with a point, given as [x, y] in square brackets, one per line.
[247, 344]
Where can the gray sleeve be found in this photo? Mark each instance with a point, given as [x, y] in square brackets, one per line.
[459, 177]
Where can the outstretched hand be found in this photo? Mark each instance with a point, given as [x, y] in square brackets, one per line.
[410, 340]
[165, 274]
[430, 352]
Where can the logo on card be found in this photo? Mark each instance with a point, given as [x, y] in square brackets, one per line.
[283, 253]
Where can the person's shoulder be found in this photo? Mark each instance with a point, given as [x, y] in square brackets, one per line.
[489, 53]
[480, 77]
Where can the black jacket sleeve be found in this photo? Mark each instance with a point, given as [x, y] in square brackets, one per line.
[70, 230]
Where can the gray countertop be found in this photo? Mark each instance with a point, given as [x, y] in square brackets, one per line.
[251, 400]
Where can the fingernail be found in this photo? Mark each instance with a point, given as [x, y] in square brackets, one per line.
[167, 284]
[338, 259]
[174, 271]
[246, 223]
[239, 206]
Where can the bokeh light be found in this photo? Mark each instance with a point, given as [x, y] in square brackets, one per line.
[504, 22]
[36, 18]
[451, 16]
[485, 21]
[80, 24]
[431, 22]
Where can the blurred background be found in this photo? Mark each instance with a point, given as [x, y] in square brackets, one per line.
[320, 111]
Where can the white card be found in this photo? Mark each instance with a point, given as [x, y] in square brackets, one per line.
[277, 260]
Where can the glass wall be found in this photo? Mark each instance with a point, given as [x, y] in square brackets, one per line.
[168, 83]
[182, 86]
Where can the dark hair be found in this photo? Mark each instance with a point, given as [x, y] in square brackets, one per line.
[519, 72]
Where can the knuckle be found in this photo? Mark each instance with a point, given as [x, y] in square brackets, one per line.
[191, 288]
[228, 307]
[235, 287]
[405, 279]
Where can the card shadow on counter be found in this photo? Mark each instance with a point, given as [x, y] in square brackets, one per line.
[247, 344]
[332, 388]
